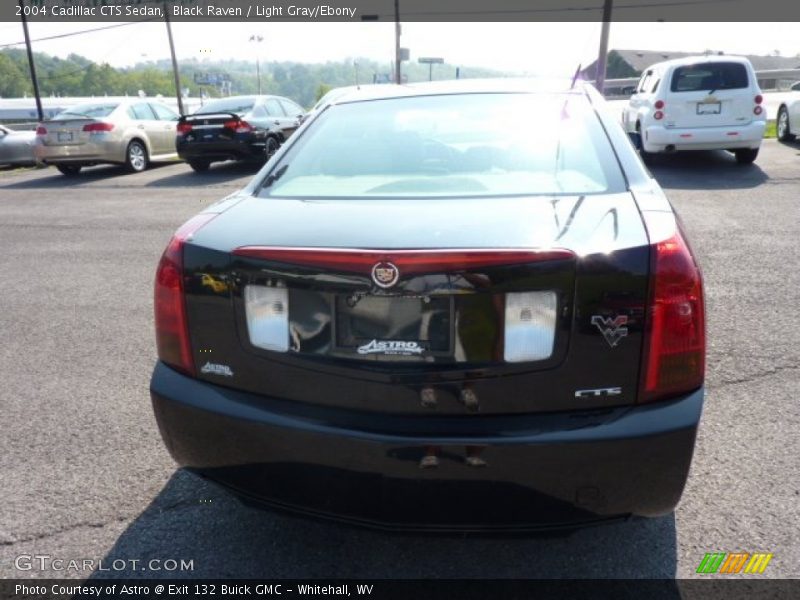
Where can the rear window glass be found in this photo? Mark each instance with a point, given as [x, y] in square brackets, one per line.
[452, 145]
[88, 110]
[709, 76]
[239, 106]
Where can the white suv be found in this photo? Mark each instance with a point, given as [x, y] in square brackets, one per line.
[698, 103]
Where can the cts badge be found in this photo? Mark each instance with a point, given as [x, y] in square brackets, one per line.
[385, 274]
[598, 393]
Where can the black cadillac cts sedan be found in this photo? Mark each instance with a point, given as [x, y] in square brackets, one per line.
[442, 306]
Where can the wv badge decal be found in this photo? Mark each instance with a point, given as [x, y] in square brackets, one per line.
[612, 329]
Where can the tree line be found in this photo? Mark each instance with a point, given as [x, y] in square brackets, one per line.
[78, 76]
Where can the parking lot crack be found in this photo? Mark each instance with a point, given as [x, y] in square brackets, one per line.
[755, 376]
[68, 529]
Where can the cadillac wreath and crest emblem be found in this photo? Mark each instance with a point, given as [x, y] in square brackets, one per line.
[385, 274]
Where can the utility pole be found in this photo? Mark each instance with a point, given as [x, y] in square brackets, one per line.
[600, 77]
[258, 39]
[31, 65]
[397, 78]
[175, 73]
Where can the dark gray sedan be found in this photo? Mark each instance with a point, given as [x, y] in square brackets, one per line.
[16, 147]
[237, 128]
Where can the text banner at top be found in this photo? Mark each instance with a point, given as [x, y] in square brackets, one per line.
[409, 10]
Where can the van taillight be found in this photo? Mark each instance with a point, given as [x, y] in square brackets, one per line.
[758, 110]
[758, 99]
[675, 346]
[172, 335]
[659, 104]
[98, 127]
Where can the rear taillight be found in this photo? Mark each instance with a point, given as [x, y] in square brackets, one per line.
[659, 104]
[41, 130]
[184, 128]
[758, 110]
[238, 126]
[675, 348]
[98, 127]
[172, 335]
[758, 99]
[658, 115]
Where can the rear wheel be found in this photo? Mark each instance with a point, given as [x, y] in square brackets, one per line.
[746, 156]
[271, 147]
[69, 170]
[200, 166]
[136, 157]
[782, 125]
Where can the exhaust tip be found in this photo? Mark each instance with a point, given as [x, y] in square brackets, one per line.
[469, 399]
[427, 397]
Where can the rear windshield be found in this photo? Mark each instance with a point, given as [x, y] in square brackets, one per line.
[88, 110]
[709, 76]
[239, 106]
[452, 145]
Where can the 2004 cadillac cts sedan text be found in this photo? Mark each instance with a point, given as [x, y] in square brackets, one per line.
[450, 306]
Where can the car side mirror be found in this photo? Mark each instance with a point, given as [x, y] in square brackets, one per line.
[636, 139]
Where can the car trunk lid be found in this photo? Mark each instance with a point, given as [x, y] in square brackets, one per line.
[465, 266]
[72, 132]
[211, 127]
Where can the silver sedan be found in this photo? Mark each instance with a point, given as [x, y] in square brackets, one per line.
[16, 147]
[131, 133]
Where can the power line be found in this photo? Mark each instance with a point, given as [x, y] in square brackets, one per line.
[81, 32]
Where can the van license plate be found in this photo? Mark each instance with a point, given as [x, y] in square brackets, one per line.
[709, 108]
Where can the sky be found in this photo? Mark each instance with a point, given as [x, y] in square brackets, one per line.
[523, 48]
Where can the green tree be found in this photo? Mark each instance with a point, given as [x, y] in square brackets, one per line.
[13, 83]
[322, 89]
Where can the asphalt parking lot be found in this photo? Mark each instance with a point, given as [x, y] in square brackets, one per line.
[86, 476]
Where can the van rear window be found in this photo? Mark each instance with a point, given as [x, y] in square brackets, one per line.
[710, 77]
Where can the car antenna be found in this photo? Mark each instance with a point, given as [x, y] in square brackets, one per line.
[575, 77]
[274, 176]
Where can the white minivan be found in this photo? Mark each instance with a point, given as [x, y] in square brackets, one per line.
[698, 103]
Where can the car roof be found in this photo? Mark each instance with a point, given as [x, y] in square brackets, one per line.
[700, 59]
[460, 86]
[253, 97]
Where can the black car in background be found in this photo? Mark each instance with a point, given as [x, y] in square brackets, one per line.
[237, 128]
[452, 305]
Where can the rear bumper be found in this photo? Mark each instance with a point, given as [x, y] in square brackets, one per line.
[533, 472]
[657, 138]
[236, 149]
[92, 152]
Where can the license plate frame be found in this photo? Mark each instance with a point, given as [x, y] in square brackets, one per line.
[709, 108]
[345, 341]
[65, 136]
